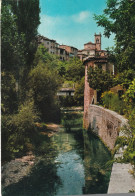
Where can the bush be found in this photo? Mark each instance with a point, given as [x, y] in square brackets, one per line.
[112, 101]
[43, 84]
[17, 131]
[79, 93]
[9, 95]
[67, 101]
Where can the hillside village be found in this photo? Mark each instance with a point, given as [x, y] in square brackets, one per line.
[56, 99]
[65, 52]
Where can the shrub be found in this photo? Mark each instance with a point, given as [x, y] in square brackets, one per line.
[43, 84]
[17, 131]
[112, 101]
[79, 93]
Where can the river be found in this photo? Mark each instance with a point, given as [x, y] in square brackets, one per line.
[71, 162]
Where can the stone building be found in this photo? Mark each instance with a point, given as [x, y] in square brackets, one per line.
[92, 49]
[51, 45]
[72, 51]
[63, 51]
[94, 57]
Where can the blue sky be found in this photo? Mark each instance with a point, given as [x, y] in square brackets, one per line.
[71, 22]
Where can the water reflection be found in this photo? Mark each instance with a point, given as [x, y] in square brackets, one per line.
[73, 165]
[97, 175]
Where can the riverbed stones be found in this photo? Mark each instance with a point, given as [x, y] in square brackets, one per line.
[15, 170]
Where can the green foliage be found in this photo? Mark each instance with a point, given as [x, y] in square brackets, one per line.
[74, 69]
[9, 95]
[79, 92]
[49, 60]
[12, 49]
[125, 78]
[119, 18]
[67, 101]
[43, 84]
[112, 101]
[129, 96]
[27, 21]
[24, 121]
[17, 130]
[100, 80]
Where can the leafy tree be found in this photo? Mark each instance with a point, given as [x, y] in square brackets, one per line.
[125, 78]
[17, 130]
[12, 49]
[27, 21]
[43, 84]
[74, 69]
[79, 92]
[129, 96]
[100, 80]
[119, 18]
[9, 95]
[42, 56]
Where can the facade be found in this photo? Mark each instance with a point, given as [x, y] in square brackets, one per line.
[95, 58]
[63, 51]
[72, 51]
[51, 45]
[92, 49]
[66, 92]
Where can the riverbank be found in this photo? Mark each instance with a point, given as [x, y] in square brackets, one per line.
[15, 170]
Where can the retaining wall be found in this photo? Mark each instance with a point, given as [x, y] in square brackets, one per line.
[105, 123]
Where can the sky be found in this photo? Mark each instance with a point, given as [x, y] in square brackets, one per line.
[71, 22]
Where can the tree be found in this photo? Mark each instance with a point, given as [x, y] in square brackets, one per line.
[119, 18]
[43, 85]
[125, 78]
[100, 80]
[27, 21]
[129, 96]
[12, 49]
[79, 92]
[42, 56]
[74, 69]
[8, 95]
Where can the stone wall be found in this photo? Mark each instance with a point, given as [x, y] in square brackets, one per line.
[105, 123]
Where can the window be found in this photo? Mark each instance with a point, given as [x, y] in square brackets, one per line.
[97, 41]
[48, 43]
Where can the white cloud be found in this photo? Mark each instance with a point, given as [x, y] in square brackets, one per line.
[82, 17]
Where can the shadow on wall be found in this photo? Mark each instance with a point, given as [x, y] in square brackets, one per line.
[94, 127]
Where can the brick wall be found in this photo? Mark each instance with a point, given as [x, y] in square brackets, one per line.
[105, 123]
[88, 95]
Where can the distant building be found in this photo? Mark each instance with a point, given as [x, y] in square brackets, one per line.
[72, 51]
[66, 92]
[92, 49]
[51, 45]
[63, 51]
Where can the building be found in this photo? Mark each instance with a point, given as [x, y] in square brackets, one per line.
[72, 51]
[94, 57]
[51, 45]
[66, 92]
[92, 49]
[63, 51]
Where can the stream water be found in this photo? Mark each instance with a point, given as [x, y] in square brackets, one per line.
[72, 162]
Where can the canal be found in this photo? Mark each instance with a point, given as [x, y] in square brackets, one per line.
[71, 162]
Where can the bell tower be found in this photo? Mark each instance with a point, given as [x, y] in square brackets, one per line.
[98, 41]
